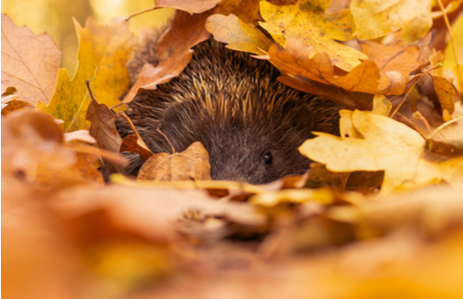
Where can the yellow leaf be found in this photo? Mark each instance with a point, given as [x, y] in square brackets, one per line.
[271, 199]
[103, 53]
[381, 105]
[383, 144]
[307, 22]
[453, 62]
[237, 34]
[29, 63]
[376, 18]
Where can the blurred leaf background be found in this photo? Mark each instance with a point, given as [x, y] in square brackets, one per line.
[55, 18]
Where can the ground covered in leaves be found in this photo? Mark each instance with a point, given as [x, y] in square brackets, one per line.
[379, 215]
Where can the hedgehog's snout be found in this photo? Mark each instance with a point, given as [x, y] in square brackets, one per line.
[229, 174]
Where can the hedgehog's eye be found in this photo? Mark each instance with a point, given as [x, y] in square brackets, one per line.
[267, 158]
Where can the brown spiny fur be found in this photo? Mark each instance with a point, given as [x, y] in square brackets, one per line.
[234, 105]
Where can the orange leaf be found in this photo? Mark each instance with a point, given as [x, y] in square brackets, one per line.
[174, 49]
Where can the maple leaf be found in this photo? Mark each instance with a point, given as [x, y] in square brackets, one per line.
[29, 62]
[372, 142]
[174, 51]
[307, 22]
[377, 18]
[192, 163]
[103, 54]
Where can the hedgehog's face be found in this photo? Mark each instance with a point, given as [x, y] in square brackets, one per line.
[256, 150]
[258, 154]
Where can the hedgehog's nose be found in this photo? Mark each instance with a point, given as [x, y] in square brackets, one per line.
[229, 175]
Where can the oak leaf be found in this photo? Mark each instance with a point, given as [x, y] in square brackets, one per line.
[191, 164]
[237, 34]
[373, 143]
[29, 62]
[376, 76]
[103, 54]
[377, 18]
[307, 22]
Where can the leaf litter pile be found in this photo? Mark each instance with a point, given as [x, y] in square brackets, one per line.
[379, 215]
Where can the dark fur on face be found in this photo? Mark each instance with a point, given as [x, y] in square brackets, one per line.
[251, 124]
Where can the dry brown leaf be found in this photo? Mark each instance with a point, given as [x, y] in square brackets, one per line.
[174, 49]
[29, 62]
[103, 129]
[191, 164]
[132, 143]
[351, 100]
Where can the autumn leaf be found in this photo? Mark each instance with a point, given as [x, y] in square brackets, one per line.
[15, 105]
[307, 22]
[174, 50]
[443, 88]
[238, 35]
[271, 199]
[103, 53]
[133, 143]
[30, 63]
[381, 75]
[34, 145]
[190, 6]
[453, 61]
[377, 18]
[32, 232]
[382, 144]
[103, 128]
[245, 10]
[351, 100]
[191, 164]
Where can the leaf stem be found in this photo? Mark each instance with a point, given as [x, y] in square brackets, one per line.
[416, 78]
[141, 12]
[87, 82]
[444, 125]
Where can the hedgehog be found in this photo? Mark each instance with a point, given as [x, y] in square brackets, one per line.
[250, 123]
